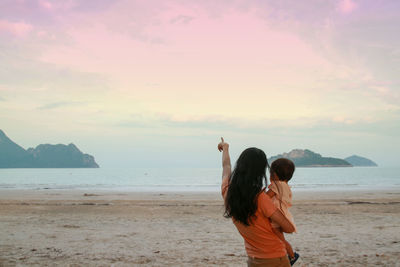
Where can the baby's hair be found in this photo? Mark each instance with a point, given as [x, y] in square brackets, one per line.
[283, 168]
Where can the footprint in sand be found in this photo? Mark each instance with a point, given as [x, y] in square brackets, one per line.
[327, 236]
[71, 226]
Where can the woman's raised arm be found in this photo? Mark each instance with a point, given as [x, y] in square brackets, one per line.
[226, 160]
[282, 221]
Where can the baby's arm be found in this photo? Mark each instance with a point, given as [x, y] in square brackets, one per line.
[289, 248]
[271, 193]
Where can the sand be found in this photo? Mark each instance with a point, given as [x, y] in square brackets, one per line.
[105, 228]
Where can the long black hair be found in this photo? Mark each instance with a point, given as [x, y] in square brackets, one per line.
[245, 184]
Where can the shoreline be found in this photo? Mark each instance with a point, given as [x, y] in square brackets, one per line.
[312, 194]
[203, 188]
[87, 227]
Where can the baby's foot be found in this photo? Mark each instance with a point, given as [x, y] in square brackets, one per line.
[294, 259]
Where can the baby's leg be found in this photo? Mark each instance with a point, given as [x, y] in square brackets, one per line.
[289, 248]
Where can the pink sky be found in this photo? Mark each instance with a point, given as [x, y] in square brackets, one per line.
[189, 66]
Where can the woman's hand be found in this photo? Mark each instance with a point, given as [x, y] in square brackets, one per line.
[222, 145]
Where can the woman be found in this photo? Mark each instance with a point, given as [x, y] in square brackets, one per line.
[251, 209]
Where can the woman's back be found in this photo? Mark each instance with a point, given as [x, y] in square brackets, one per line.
[260, 240]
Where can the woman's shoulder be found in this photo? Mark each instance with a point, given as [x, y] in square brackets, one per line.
[263, 196]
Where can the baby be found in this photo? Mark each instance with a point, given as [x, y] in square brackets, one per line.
[281, 172]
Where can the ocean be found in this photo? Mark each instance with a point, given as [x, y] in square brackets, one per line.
[190, 179]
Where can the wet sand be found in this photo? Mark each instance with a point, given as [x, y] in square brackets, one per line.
[104, 228]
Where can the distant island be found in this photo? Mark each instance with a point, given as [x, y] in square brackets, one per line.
[360, 161]
[43, 156]
[308, 158]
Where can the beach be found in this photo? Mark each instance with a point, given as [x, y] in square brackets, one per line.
[116, 228]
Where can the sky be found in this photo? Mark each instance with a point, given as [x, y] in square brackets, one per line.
[157, 83]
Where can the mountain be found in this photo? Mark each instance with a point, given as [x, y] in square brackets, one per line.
[11, 154]
[307, 158]
[43, 156]
[360, 161]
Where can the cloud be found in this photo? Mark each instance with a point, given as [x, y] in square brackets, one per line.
[167, 120]
[181, 19]
[346, 6]
[18, 29]
[215, 123]
[341, 120]
[384, 92]
[59, 105]
[196, 125]
[304, 129]
[18, 60]
[45, 4]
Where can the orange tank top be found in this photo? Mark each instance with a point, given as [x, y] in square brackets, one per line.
[259, 239]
